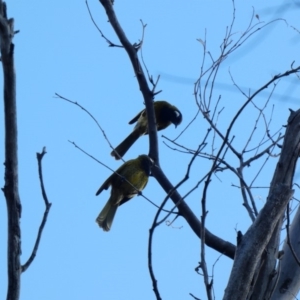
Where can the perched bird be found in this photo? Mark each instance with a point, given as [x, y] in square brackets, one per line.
[165, 114]
[126, 182]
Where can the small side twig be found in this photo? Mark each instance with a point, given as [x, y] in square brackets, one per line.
[196, 298]
[150, 267]
[93, 118]
[106, 166]
[150, 77]
[110, 43]
[156, 223]
[47, 209]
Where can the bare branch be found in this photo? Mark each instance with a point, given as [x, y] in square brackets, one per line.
[141, 78]
[252, 212]
[93, 118]
[249, 253]
[224, 247]
[195, 298]
[286, 285]
[110, 43]
[150, 77]
[211, 240]
[267, 225]
[156, 224]
[263, 152]
[47, 209]
[150, 266]
[106, 166]
[10, 188]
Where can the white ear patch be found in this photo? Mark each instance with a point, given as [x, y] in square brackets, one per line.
[177, 113]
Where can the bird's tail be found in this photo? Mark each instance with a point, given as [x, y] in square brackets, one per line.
[106, 216]
[119, 151]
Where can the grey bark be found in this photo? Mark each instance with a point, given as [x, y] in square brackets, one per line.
[263, 285]
[10, 188]
[289, 269]
[256, 254]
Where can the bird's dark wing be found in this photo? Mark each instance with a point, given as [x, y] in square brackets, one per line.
[116, 176]
[124, 200]
[105, 185]
[143, 112]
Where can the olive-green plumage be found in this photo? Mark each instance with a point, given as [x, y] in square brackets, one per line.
[165, 114]
[126, 182]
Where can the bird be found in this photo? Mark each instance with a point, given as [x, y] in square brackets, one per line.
[126, 182]
[165, 114]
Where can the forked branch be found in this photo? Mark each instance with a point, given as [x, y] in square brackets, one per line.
[213, 241]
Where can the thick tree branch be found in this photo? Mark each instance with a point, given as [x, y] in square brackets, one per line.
[254, 242]
[287, 287]
[11, 156]
[211, 240]
[141, 78]
[266, 226]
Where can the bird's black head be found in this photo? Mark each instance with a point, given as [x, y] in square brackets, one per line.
[166, 114]
[146, 163]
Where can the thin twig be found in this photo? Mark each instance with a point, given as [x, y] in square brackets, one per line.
[196, 298]
[150, 77]
[150, 266]
[47, 209]
[106, 166]
[225, 138]
[140, 76]
[155, 224]
[93, 118]
[213, 270]
[263, 152]
[110, 43]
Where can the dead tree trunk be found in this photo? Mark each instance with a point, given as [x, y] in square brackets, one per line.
[257, 252]
[10, 188]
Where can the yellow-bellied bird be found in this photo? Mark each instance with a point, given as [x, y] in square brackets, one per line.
[165, 114]
[126, 182]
